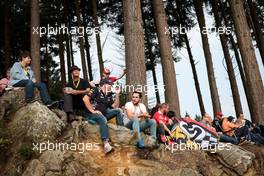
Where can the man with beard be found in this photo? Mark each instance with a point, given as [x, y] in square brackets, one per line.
[137, 118]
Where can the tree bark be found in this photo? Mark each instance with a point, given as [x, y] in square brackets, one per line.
[252, 73]
[35, 39]
[168, 70]
[195, 76]
[7, 29]
[97, 36]
[87, 49]
[85, 76]
[198, 5]
[62, 61]
[257, 28]
[229, 64]
[134, 47]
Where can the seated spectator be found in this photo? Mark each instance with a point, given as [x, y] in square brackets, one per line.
[23, 76]
[217, 122]
[106, 75]
[73, 93]
[105, 108]
[207, 120]
[172, 116]
[231, 129]
[137, 118]
[4, 82]
[163, 122]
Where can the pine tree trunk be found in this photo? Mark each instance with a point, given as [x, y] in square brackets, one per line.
[229, 64]
[198, 5]
[7, 34]
[252, 73]
[62, 61]
[195, 76]
[257, 28]
[168, 70]
[87, 49]
[154, 75]
[97, 36]
[35, 39]
[242, 73]
[85, 76]
[134, 48]
[68, 55]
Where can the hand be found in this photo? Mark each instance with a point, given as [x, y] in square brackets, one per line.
[34, 80]
[74, 92]
[97, 112]
[117, 90]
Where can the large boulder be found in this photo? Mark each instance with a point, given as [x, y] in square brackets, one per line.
[36, 122]
[14, 99]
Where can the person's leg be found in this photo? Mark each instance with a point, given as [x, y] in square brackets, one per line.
[111, 113]
[225, 138]
[133, 124]
[149, 123]
[68, 107]
[29, 88]
[43, 92]
[101, 120]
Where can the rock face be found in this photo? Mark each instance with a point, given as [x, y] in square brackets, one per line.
[12, 100]
[77, 151]
[37, 122]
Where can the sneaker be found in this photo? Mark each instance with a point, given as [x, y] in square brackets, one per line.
[140, 144]
[107, 148]
[50, 104]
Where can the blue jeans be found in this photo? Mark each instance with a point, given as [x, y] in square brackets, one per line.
[102, 121]
[138, 126]
[225, 138]
[29, 89]
[111, 113]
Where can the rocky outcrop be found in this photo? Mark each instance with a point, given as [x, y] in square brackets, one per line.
[77, 151]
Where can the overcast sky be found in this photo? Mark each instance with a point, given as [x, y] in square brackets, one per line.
[113, 52]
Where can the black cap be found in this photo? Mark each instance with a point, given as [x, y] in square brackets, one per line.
[105, 81]
[74, 68]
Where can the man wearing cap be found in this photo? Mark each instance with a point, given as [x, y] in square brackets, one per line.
[106, 75]
[73, 93]
[23, 76]
[101, 107]
[217, 122]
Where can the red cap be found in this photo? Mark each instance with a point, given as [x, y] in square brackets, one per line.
[106, 71]
[220, 114]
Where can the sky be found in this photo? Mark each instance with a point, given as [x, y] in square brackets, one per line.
[114, 56]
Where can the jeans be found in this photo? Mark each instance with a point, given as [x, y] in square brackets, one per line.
[225, 138]
[242, 132]
[29, 89]
[102, 121]
[111, 113]
[138, 126]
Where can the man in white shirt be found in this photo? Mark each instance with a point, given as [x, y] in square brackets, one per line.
[137, 118]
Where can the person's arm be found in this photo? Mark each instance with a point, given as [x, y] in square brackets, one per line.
[124, 72]
[116, 102]
[15, 72]
[76, 92]
[165, 127]
[88, 105]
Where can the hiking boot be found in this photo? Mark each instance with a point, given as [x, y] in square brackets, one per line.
[140, 144]
[107, 147]
[50, 104]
